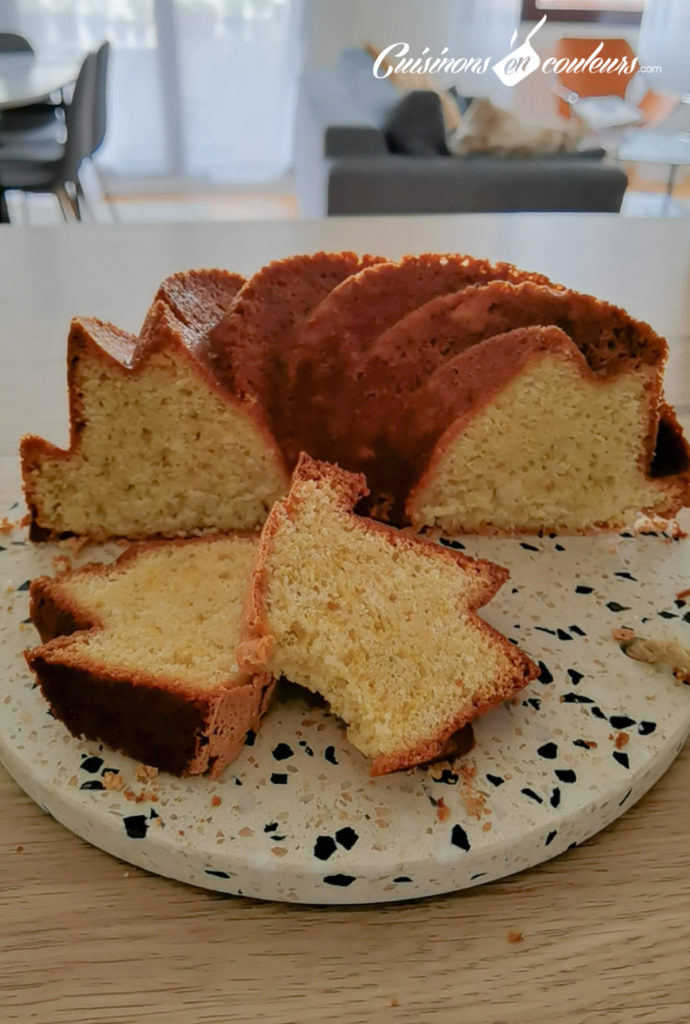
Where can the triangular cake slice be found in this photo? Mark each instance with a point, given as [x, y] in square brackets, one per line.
[381, 624]
[140, 654]
[521, 434]
[157, 445]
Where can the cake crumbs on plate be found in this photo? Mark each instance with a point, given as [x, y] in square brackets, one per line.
[515, 936]
[216, 801]
[145, 772]
[442, 812]
[656, 524]
[622, 740]
[112, 780]
[655, 652]
[61, 564]
[7, 525]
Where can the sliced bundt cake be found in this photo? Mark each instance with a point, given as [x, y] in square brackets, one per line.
[200, 298]
[326, 368]
[252, 347]
[140, 654]
[522, 433]
[157, 446]
[195, 425]
[395, 371]
[382, 625]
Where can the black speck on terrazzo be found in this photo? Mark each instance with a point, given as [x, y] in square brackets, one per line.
[459, 837]
[342, 880]
[324, 847]
[136, 826]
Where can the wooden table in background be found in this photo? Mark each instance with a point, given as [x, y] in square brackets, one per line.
[86, 938]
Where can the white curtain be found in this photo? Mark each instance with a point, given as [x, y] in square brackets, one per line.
[665, 42]
[483, 28]
[199, 89]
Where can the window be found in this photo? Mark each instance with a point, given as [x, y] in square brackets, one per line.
[608, 12]
[198, 89]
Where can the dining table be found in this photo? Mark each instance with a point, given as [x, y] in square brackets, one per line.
[599, 933]
[27, 78]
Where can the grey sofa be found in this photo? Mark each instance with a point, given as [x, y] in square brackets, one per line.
[344, 163]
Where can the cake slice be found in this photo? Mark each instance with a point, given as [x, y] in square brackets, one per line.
[326, 378]
[140, 655]
[520, 434]
[253, 345]
[157, 446]
[381, 624]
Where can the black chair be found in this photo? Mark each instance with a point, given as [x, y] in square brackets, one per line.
[100, 108]
[50, 165]
[12, 42]
[33, 115]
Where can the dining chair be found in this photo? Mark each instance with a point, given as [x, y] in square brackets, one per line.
[12, 42]
[51, 165]
[31, 115]
[572, 86]
[100, 109]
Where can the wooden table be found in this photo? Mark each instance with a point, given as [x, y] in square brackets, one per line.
[87, 938]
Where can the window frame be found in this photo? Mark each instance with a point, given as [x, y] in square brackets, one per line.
[531, 11]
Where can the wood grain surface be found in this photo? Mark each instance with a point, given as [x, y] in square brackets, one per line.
[84, 938]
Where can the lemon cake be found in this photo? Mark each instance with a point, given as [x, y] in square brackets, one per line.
[383, 625]
[140, 655]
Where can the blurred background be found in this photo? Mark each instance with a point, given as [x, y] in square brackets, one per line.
[232, 109]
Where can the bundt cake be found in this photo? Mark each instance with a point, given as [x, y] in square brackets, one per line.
[157, 446]
[325, 366]
[253, 347]
[381, 624]
[590, 439]
[140, 654]
[197, 424]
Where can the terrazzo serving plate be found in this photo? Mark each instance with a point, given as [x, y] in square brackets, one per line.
[298, 818]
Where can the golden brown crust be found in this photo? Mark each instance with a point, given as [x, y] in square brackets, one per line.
[324, 378]
[200, 298]
[369, 428]
[178, 728]
[440, 410]
[672, 452]
[462, 386]
[251, 347]
[345, 490]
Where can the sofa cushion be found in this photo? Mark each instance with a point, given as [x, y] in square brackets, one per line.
[415, 125]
